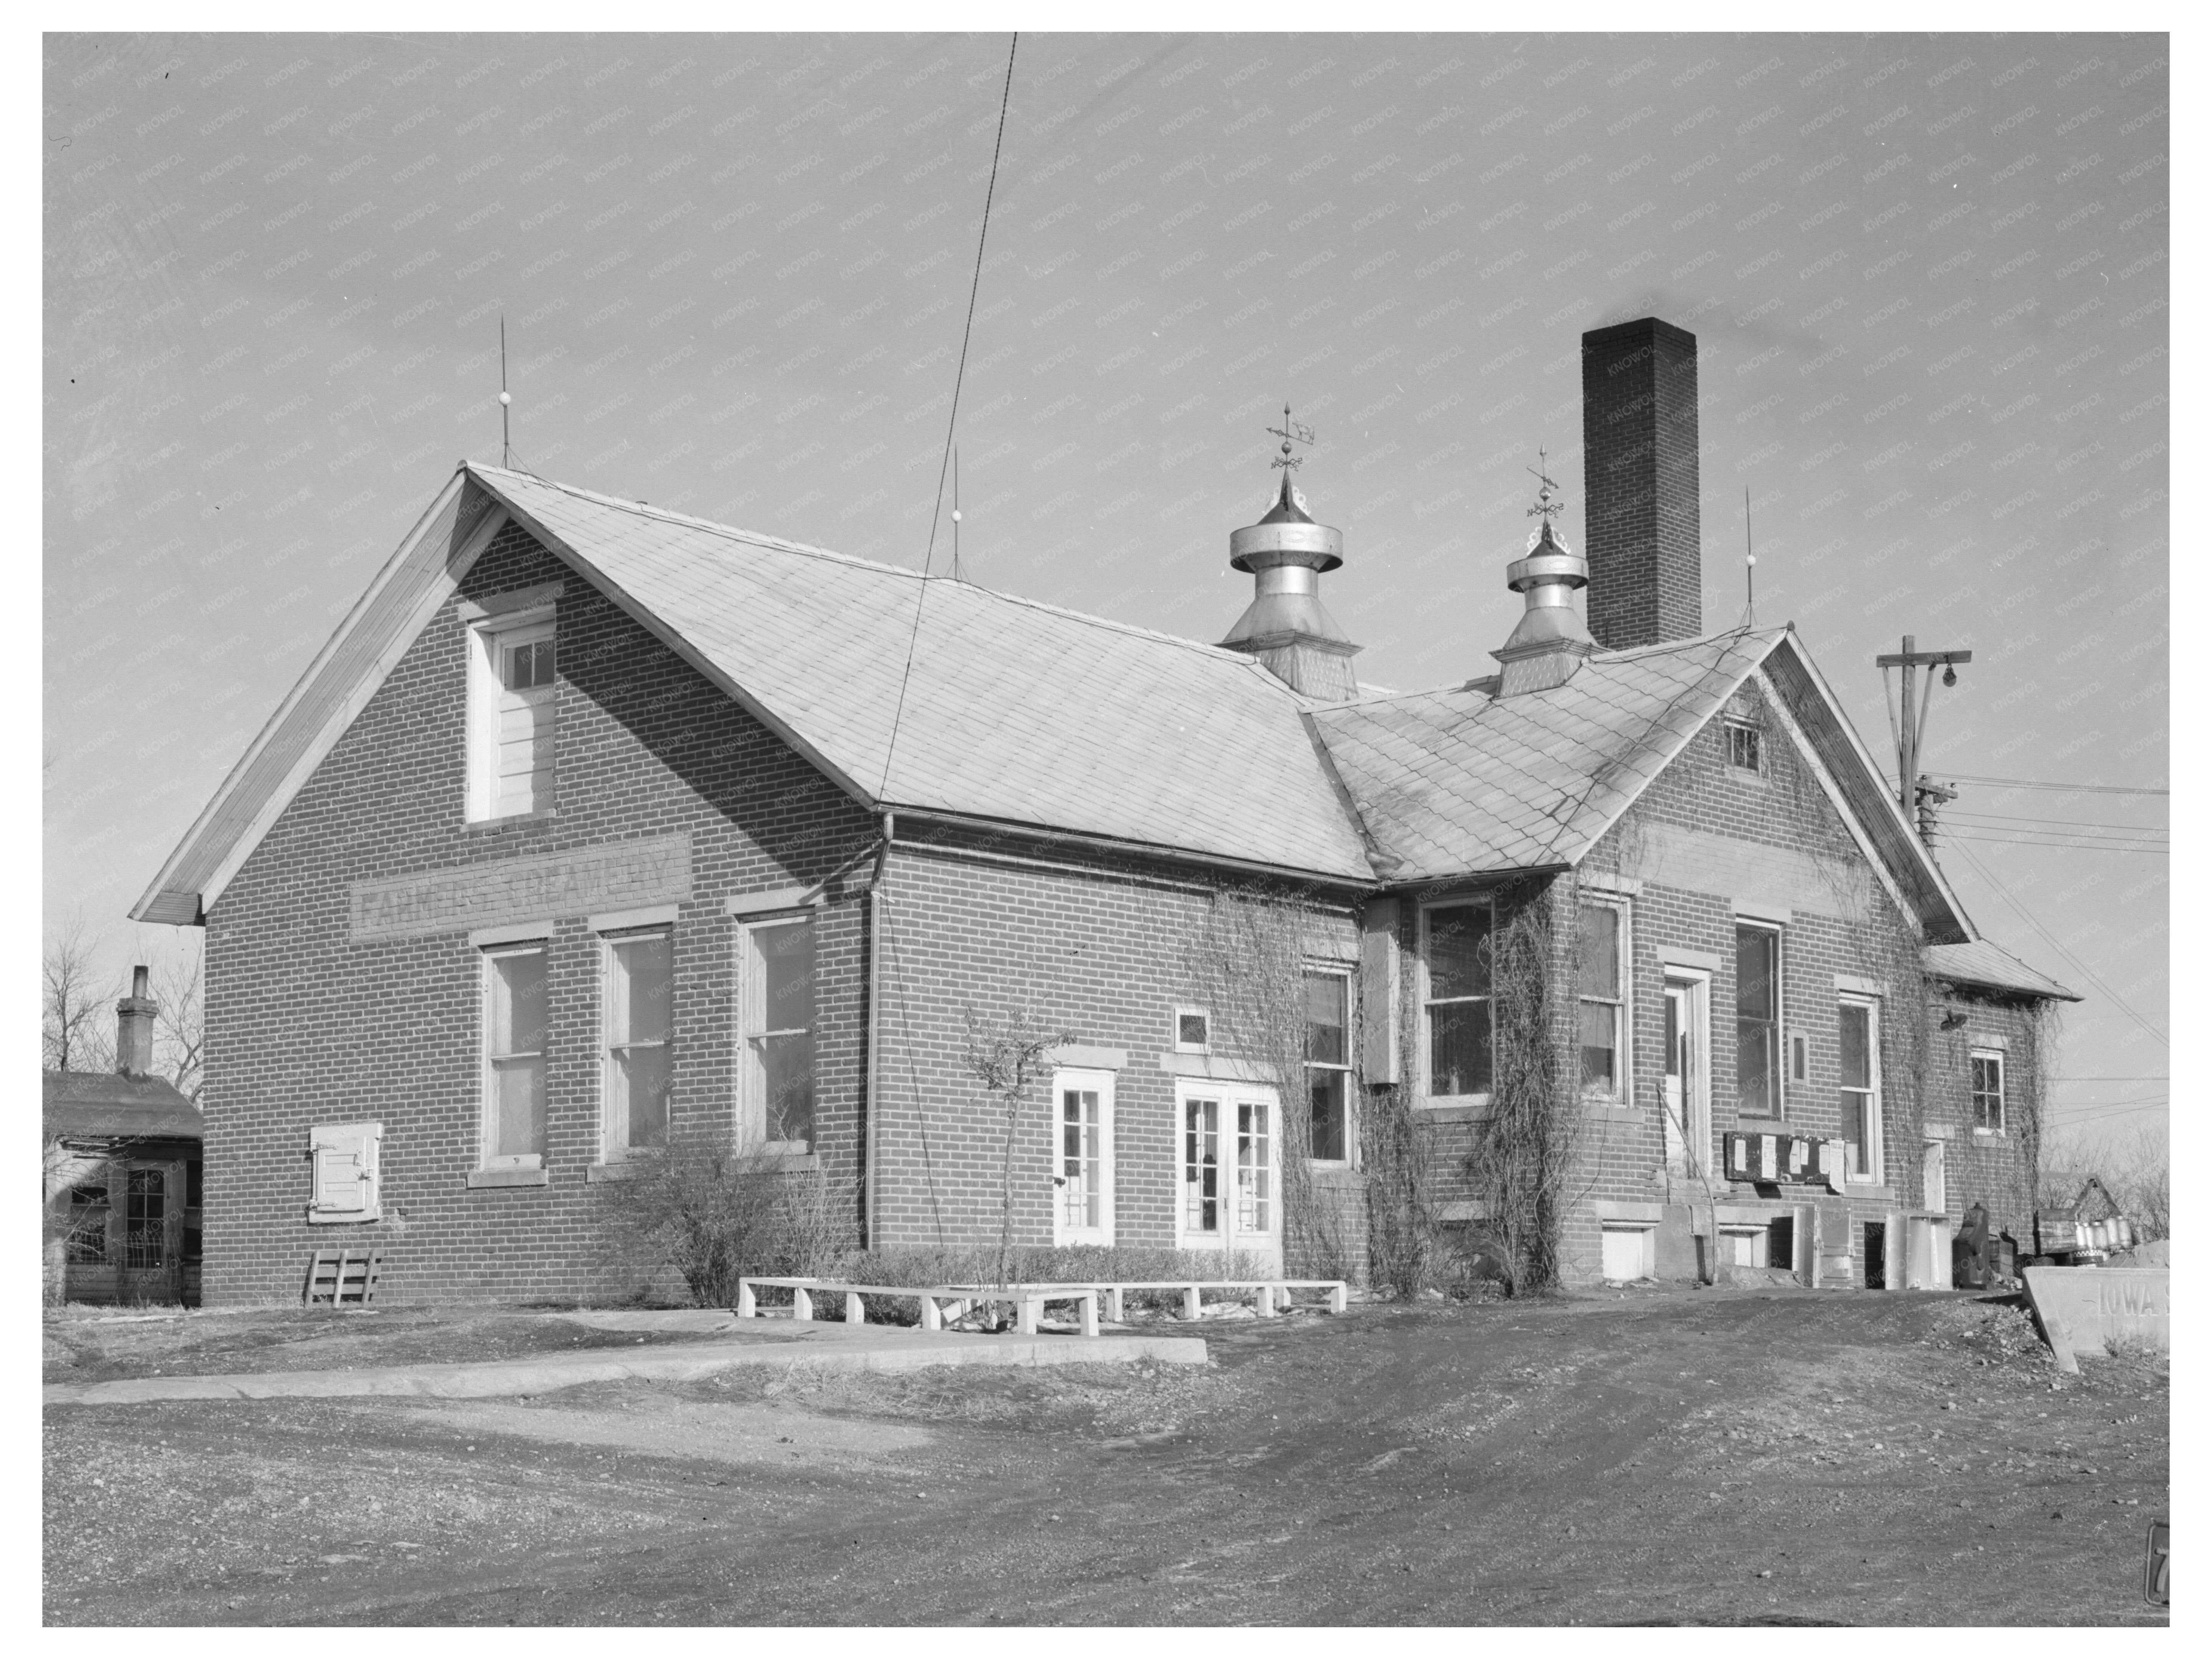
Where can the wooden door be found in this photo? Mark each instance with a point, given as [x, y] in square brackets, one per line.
[146, 1236]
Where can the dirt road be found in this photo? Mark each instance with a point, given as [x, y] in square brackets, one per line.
[1712, 1456]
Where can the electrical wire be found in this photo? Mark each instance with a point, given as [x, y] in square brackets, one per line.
[1954, 835]
[2009, 819]
[2087, 972]
[951, 421]
[2063, 788]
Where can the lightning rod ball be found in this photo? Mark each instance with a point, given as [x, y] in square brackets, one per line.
[504, 399]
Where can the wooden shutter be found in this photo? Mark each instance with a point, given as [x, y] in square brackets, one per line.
[345, 1159]
[1378, 990]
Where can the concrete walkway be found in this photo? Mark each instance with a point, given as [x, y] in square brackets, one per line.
[820, 1345]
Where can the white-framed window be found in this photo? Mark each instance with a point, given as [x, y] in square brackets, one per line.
[1743, 746]
[1602, 1000]
[1193, 1031]
[1082, 1158]
[513, 705]
[1330, 1130]
[1859, 1045]
[514, 1024]
[637, 998]
[1757, 1020]
[1457, 1039]
[1988, 1082]
[775, 1060]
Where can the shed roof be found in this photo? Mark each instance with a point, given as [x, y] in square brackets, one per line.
[109, 1104]
[1984, 964]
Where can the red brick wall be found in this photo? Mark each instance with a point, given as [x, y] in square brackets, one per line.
[305, 1027]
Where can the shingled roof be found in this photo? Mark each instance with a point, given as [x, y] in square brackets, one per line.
[1457, 780]
[1982, 963]
[1021, 714]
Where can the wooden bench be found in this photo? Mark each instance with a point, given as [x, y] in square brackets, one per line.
[1030, 1300]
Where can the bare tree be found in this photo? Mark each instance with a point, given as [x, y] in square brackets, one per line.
[71, 1000]
[179, 1031]
[1006, 1056]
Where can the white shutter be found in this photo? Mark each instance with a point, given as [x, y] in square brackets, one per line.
[345, 1187]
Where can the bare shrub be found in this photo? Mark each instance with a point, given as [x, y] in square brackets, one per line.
[715, 1215]
[1005, 1056]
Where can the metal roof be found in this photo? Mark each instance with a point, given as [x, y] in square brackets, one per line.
[1981, 962]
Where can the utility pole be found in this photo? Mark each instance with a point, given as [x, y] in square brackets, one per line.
[1908, 726]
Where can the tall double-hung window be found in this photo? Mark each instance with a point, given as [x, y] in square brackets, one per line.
[1989, 1089]
[515, 1057]
[1329, 1066]
[776, 1046]
[637, 1020]
[1757, 1020]
[1456, 1000]
[1602, 1001]
[1858, 1044]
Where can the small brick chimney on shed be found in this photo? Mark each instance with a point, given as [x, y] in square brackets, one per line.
[1640, 484]
[134, 1028]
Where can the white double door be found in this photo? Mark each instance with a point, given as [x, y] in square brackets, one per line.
[1228, 1158]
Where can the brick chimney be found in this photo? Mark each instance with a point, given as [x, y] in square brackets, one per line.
[1640, 484]
[134, 1028]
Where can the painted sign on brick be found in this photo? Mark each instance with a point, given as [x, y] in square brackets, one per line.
[621, 875]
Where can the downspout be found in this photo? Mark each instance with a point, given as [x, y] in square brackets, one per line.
[871, 1234]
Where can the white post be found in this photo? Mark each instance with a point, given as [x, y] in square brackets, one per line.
[1337, 1298]
[1031, 1307]
[802, 1305]
[1190, 1301]
[747, 1308]
[931, 1320]
[856, 1311]
[1091, 1313]
[1113, 1305]
[1265, 1305]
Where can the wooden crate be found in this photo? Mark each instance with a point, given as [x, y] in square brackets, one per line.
[344, 1277]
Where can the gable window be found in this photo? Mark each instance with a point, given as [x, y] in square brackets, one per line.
[514, 1058]
[637, 1019]
[1989, 1090]
[1455, 943]
[1757, 1019]
[1742, 746]
[1328, 1067]
[1858, 1041]
[777, 1061]
[1603, 1003]
[513, 702]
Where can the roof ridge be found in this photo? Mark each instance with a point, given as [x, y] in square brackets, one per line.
[758, 539]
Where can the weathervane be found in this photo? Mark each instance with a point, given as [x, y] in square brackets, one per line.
[1546, 507]
[1291, 432]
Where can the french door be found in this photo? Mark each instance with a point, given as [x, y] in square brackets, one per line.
[1082, 1158]
[1231, 1167]
[1688, 1099]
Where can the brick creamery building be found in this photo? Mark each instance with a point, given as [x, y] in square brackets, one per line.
[597, 828]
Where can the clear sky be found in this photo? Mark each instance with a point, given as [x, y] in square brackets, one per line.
[1927, 277]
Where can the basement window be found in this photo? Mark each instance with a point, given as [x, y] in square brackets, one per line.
[1989, 1091]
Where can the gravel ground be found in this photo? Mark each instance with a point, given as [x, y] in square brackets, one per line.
[1678, 1456]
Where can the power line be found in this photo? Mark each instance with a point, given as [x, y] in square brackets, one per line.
[2087, 972]
[2008, 818]
[1953, 835]
[951, 421]
[2063, 788]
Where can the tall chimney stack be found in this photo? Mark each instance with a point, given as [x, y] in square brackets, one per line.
[1640, 484]
[134, 1028]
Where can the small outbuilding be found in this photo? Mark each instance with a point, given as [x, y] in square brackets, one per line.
[122, 1182]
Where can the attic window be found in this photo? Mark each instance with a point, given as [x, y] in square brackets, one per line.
[1743, 747]
[1192, 1030]
[513, 704]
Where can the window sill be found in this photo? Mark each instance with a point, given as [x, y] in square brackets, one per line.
[477, 826]
[1611, 1111]
[1981, 1133]
[610, 1171]
[510, 1178]
[1453, 1108]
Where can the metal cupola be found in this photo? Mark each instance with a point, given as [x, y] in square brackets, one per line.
[1287, 626]
[1549, 642]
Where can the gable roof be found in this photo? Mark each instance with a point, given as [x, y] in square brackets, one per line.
[929, 694]
[1457, 780]
[1981, 962]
